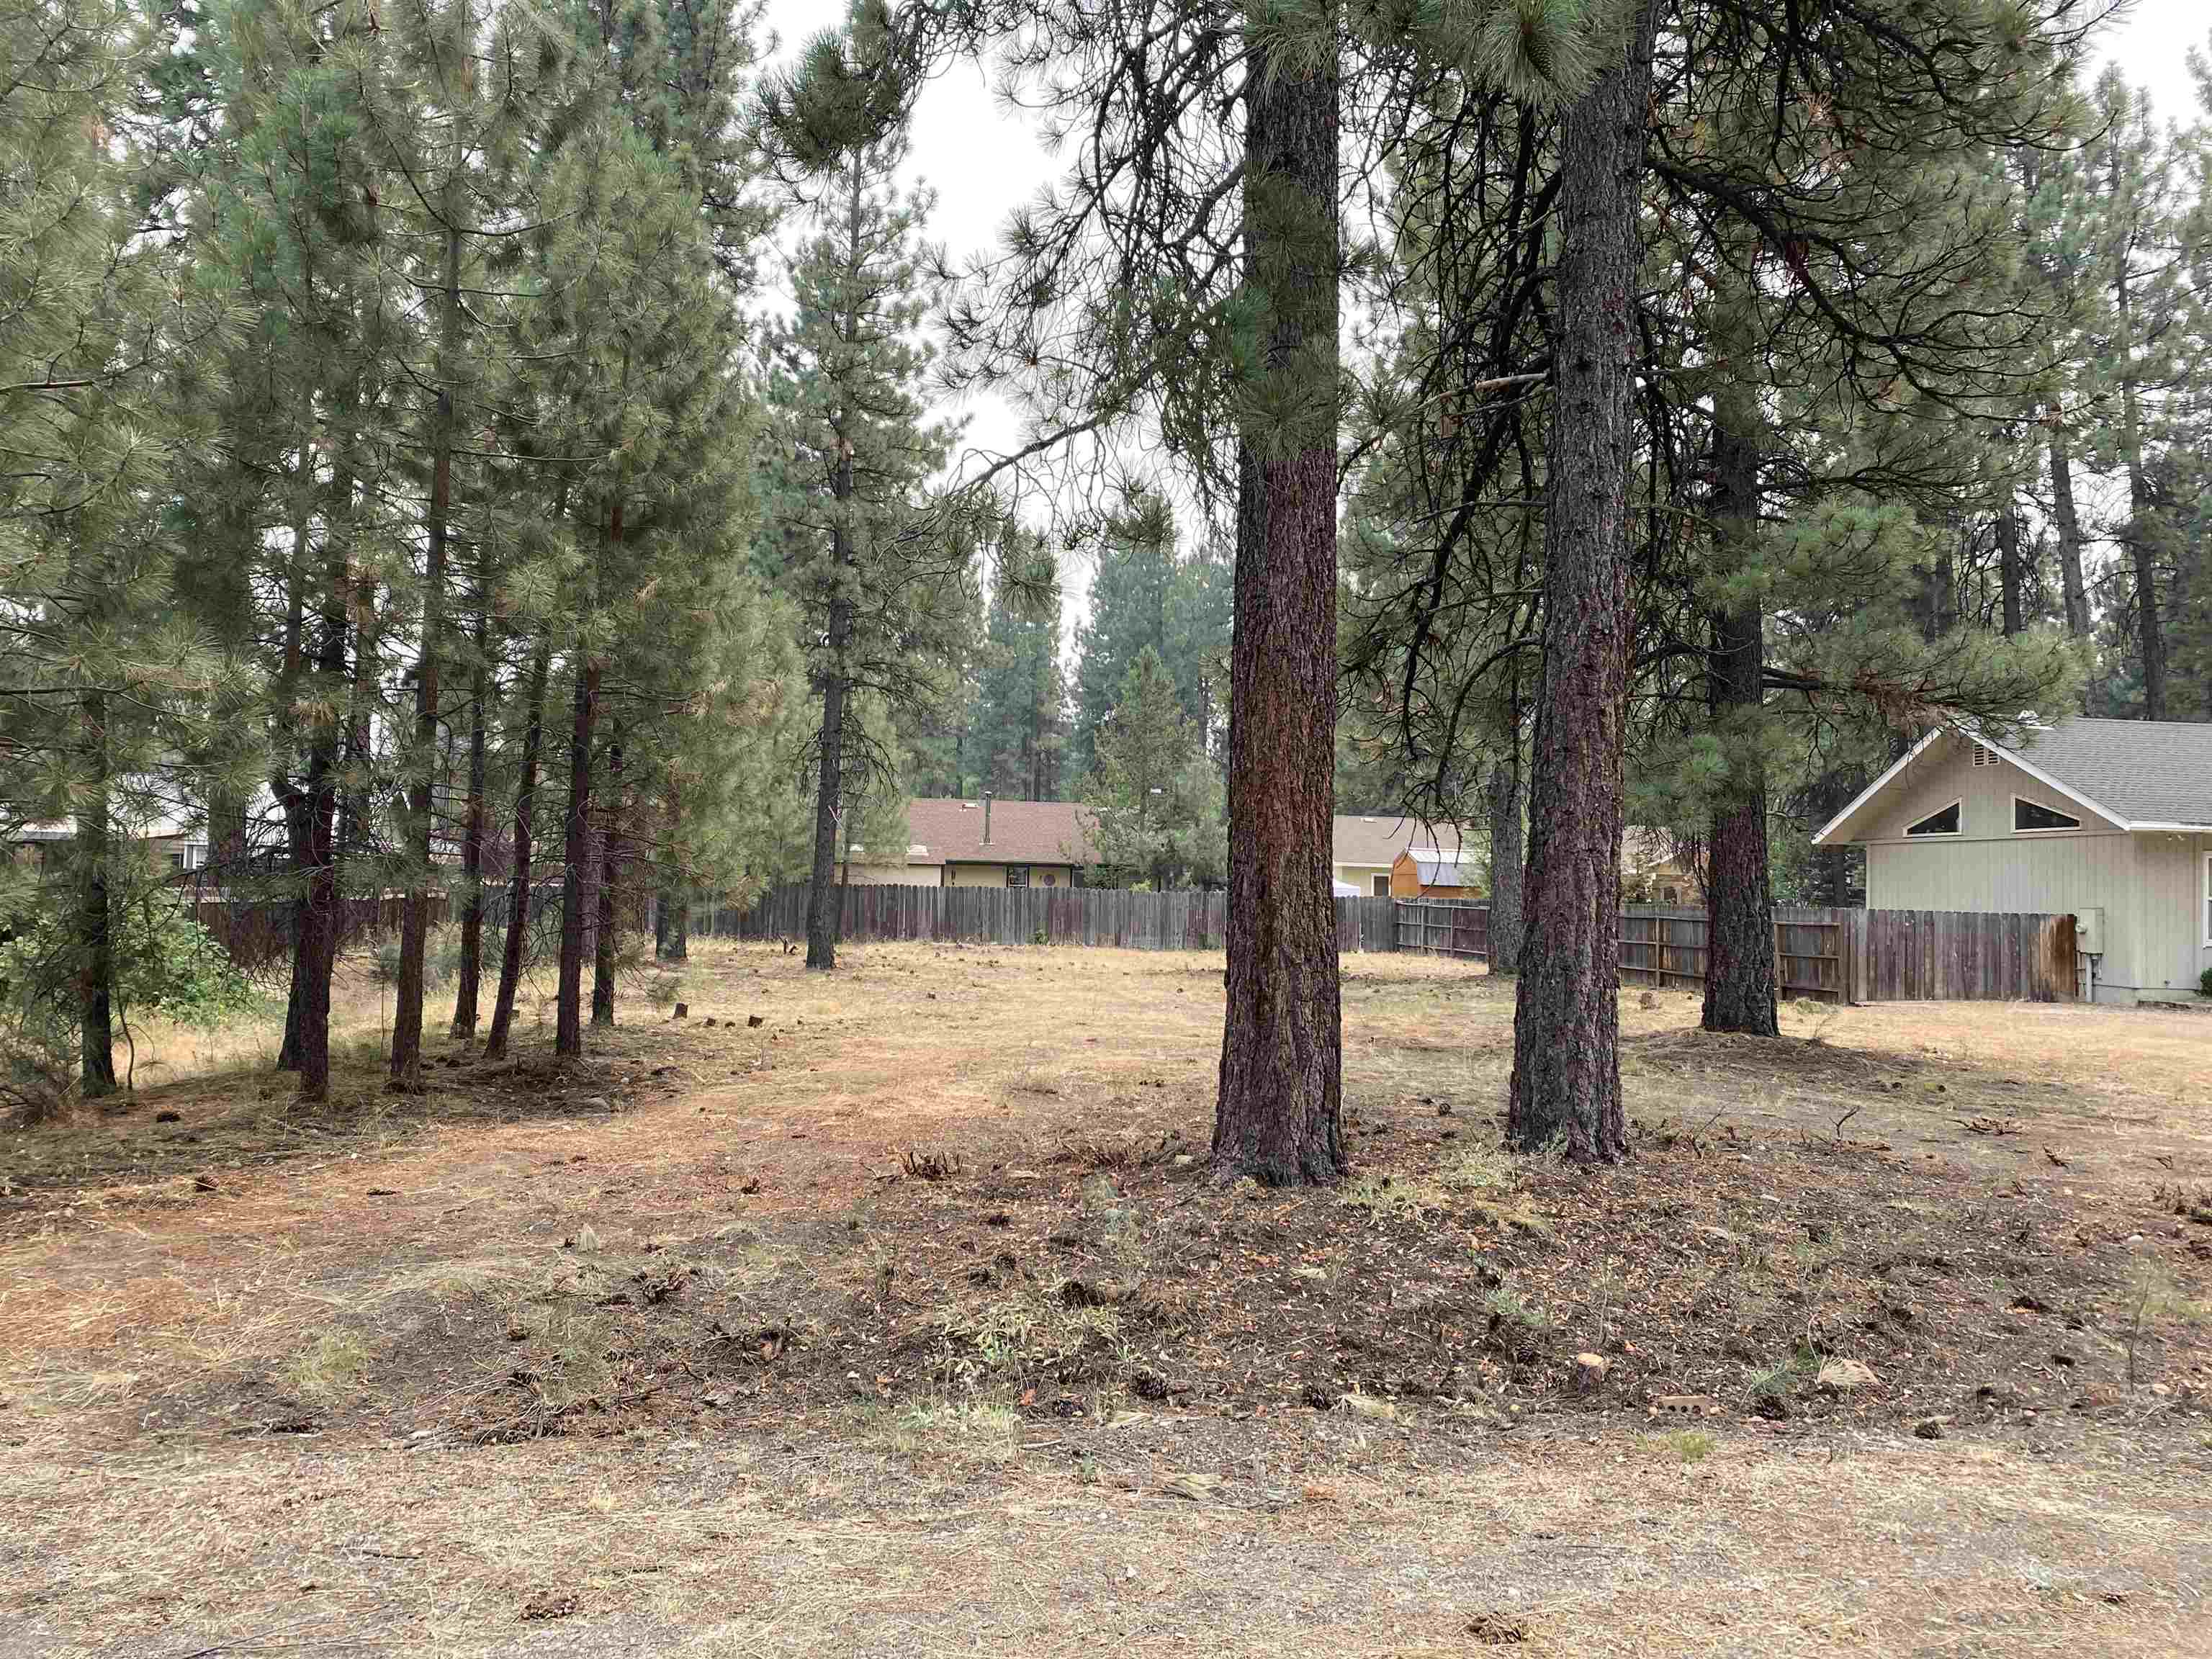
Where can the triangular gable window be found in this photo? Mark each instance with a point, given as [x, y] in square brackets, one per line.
[1945, 822]
[2033, 815]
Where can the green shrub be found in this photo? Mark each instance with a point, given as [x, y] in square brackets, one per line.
[167, 966]
[2204, 981]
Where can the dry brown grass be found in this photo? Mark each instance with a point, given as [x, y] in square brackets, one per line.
[700, 1278]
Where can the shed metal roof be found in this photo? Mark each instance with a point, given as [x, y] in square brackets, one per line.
[1433, 869]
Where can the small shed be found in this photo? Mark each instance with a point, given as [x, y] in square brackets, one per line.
[1431, 872]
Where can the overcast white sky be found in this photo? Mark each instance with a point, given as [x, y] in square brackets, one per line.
[983, 161]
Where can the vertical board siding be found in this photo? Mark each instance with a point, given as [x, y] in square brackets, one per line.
[1029, 915]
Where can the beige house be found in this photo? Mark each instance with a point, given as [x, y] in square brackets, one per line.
[1364, 848]
[1654, 870]
[2110, 821]
[984, 843]
[169, 846]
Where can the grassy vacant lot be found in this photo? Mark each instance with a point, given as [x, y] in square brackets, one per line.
[892, 1314]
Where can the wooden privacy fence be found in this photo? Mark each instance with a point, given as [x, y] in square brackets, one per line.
[257, 932]
[1969, 956]
[1832, 954]
[1828, 954]
[1027, 915]
[1660, 945]
[1666, 946]
[1448, 927]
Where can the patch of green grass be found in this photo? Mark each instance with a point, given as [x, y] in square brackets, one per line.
[327, 1367]
[1509, 1307]
[1388, 1195]
[949, 1431]
[1479, 1169]
[1026, 1335]
[1686, 1446]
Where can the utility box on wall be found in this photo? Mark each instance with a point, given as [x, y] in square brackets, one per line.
[2089, 931]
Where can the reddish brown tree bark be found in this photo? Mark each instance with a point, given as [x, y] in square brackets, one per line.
[580, 885]
[470, 977]
[518, 884]
[1279, 1114]
[1741, 988]
[1567, 1031]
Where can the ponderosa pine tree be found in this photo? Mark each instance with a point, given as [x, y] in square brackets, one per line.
[99, 678]
[634, 334]
[1125, 611]
[1566, 1085]
[289, 200]
[456, 116]
[2145, 350]
[1016, 740]
[1154, 802]
[882, 589]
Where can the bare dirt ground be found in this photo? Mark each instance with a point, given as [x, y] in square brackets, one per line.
[892, 1314]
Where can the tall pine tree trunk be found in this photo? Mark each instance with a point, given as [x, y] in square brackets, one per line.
[296, 803]
[2012, 571]
[1505, 800]
[319, 920]
[821, 900]
[611, 867]
[580, 885]
[96, 978]
[2069, 522]
[415, 913]
[1741, 990]
[1279, 1114]
[2140, 536]
[1566, 1028]
[299, 861]
[518, 882]
[823, 907]
[470, 977]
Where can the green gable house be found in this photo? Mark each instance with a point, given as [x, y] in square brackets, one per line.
[2110, 821]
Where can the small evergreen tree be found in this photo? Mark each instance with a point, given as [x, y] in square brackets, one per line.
[1155, 805]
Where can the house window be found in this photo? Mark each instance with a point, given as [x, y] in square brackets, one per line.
[1017, 875]
[1945, 822]
[2028, 816]
[1382, 887]
[1670, 896]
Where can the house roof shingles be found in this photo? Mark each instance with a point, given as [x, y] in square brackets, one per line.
[2147, 771]
[950, 831]
[1378, 838]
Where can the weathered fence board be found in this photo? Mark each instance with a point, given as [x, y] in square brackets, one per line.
[1969, 956]
[1025, 915]
[1451, 928]
[1833, 955]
